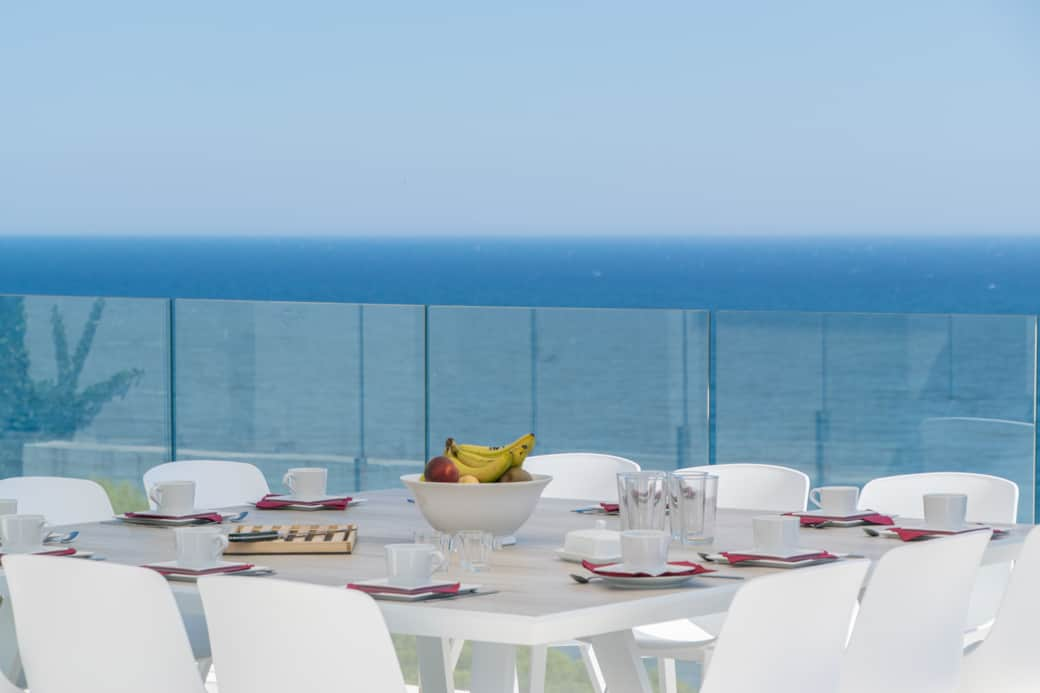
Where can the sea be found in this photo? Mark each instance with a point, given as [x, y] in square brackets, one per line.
[846, 357]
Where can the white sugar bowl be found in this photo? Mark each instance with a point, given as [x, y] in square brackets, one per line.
[597, 545]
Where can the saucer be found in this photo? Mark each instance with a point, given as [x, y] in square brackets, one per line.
[193, 574]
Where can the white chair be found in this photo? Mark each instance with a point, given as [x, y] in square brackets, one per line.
[87, 627]
[908, 634]
[764, 487]
[758, 486]
[1006, 661]
[589, 476]
[756, 652]
[585, 475]
[10, 664]
[990, 499]
[218, 483]
[319, 639]
[62, 501]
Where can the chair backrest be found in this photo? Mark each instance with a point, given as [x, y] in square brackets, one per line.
[61, 500]
[584, 475]
[218, 483]
[317, 639]
[759, 486]
[1006, 660]
[755, 651]
[990, 498]
[908, 635]
[98, 628]
[10, 665]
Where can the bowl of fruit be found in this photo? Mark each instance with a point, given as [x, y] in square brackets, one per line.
[478, 487]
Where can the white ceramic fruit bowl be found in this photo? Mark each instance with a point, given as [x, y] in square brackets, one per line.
[497, 508]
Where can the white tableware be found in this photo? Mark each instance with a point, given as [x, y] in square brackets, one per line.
[410, 565]
[945, 510]
[173, 498]
[8, 506]
[835, 500]
[598, 545]
[194, 576]
[571, 557]
[22, 533]
[775, 534]
[645, 550]
[464, 588]
[497, 508]
[198, 548]
[306, 482]
[642, 582]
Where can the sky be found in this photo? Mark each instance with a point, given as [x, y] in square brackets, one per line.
[542, 117]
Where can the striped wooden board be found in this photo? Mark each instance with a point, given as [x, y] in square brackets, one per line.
[298, 538]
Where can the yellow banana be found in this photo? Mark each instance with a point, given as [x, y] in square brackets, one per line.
[518, 451]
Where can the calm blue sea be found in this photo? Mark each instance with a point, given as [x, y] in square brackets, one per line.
[960, 275]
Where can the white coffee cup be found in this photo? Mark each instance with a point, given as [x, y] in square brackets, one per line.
[306, 482]
[645, 550]
[945, 510]
[411, 565]
[8, 506]
[775, 535]
[174, 498]
[839, 501]
[199, 547]
[22, 533]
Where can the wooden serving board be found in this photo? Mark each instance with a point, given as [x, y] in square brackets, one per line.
[301, 538]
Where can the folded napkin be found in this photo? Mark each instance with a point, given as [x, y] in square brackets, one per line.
[914, 534]
[171, 570]
[201, 517]
[736, 558]
[814, 520]
[390, 589]
[56, 552]
[273, 502]
[675, 569]
[610, 507]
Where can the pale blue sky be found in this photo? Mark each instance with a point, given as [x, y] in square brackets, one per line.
[537, 117]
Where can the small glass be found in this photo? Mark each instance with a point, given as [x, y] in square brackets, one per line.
[711, 507]
[433, 537]
[642, 499]
[474, 548]
[687, 505]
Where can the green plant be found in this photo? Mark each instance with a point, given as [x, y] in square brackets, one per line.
[126, 496]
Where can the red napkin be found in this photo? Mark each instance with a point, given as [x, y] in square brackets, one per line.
[272, 502]
[735, 558]
[611, 507]
[69, 551]
[203, 517]
[389, 589]
[675, 569]
[170, 570]
[813, 520]
[915, 534]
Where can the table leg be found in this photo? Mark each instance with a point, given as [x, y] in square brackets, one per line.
[435, 676]
[494, 668]
[620, 662]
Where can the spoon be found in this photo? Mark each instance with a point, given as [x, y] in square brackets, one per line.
[584, 580]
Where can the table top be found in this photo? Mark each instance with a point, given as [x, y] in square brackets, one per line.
[537, 602]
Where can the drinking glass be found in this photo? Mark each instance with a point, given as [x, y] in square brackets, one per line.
[711, 508]
[433, 537]
[474, 547]
[686, 500]
[642, 498]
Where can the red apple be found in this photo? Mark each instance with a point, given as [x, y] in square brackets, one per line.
[442, 469]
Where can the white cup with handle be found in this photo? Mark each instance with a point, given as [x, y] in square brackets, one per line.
[306, 482]
[412, 565]
[199, 548]
[173, 498]
[839, 501]
[8, 506]
[945, 510]
[775, 535]
[645, 550]
[22, 533]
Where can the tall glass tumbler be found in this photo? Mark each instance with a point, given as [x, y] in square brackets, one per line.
[686, 506]
[642, 498]
[711, 507]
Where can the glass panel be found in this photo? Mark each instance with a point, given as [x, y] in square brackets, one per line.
[285, 385]
[848, 397]
[625, 382]
[84, 389]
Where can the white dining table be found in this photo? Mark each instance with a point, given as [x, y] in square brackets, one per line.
[534, 600]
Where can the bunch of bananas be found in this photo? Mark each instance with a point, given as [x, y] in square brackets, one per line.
[486, 463]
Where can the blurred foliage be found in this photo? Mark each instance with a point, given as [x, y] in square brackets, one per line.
[126, 496]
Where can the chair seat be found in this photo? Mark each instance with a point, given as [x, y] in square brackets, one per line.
[672, 638]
